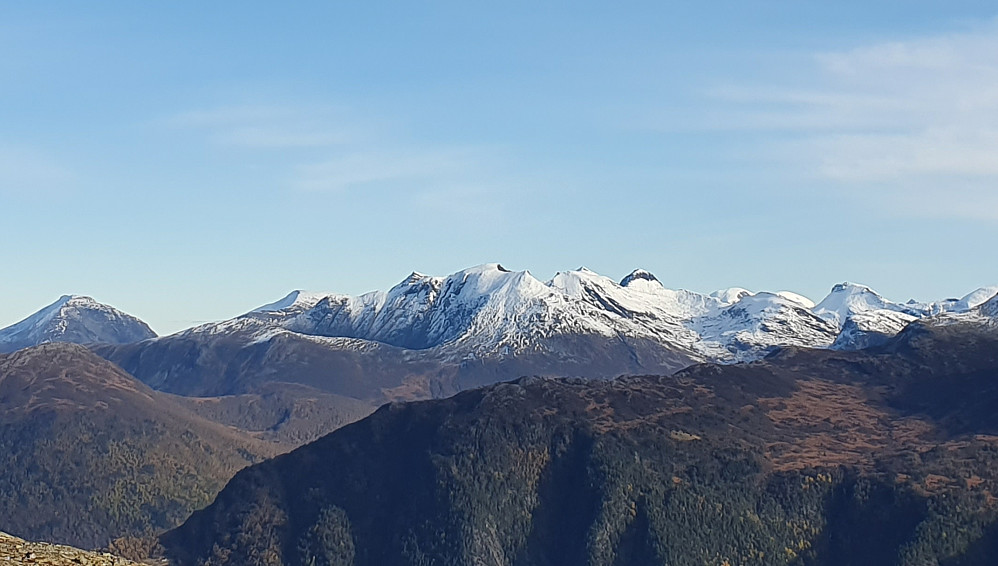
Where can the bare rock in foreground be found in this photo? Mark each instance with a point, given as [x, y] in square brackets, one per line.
[17, 551]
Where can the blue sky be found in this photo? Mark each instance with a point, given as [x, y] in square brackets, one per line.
[187, 162]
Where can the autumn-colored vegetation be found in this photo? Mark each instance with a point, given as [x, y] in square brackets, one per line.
[811, 458]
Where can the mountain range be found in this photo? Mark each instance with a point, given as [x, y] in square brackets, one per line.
[434, 336]
[198, 405]
[816, 457]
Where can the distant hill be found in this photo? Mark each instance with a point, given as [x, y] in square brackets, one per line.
[810, 457]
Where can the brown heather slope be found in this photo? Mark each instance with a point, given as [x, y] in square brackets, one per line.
[809, 458]
[88, 453]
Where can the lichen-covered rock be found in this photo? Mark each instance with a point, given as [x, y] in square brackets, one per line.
[18, 551]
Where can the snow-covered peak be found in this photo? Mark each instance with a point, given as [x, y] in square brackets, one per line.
[757, 323]
[39, 319]
[641, 280]
[764, 301]
[973, 299]
[74, 318]
[294, 299]
[575, 283]
[493, 280]
[847, 299]
[731, 295]
[797, 298]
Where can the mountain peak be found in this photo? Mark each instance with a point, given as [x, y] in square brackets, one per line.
[797, 298]
[847, 299]
[852, 288]
[639, 275]
[77, 319]
[731, 295]
[974, 298]
[298, 299]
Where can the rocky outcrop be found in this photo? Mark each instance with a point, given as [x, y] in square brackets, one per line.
[14, 550]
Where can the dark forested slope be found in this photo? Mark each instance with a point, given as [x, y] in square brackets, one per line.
[810, 457]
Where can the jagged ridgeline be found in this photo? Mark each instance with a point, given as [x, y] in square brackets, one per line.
[886, 457]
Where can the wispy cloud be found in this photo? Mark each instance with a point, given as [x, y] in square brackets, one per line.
[915, 120]
[417, 167]
[333, 150]
[266, 126]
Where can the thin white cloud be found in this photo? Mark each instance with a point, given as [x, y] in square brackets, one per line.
[333, 150]
[915, 120]
[416, 168]
[266, 126]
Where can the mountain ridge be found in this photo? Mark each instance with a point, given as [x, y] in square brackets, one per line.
[506, 308]
[435, 336]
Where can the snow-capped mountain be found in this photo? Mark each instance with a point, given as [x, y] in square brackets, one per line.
[759, 323]
[75, 319]
[432, 336]
[489, 310]
[867, 319]
[970, 301]
[864, 318]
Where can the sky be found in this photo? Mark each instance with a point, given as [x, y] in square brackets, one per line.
[189, 161]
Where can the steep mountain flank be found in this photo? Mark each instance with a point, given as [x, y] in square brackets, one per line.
[810, 457]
